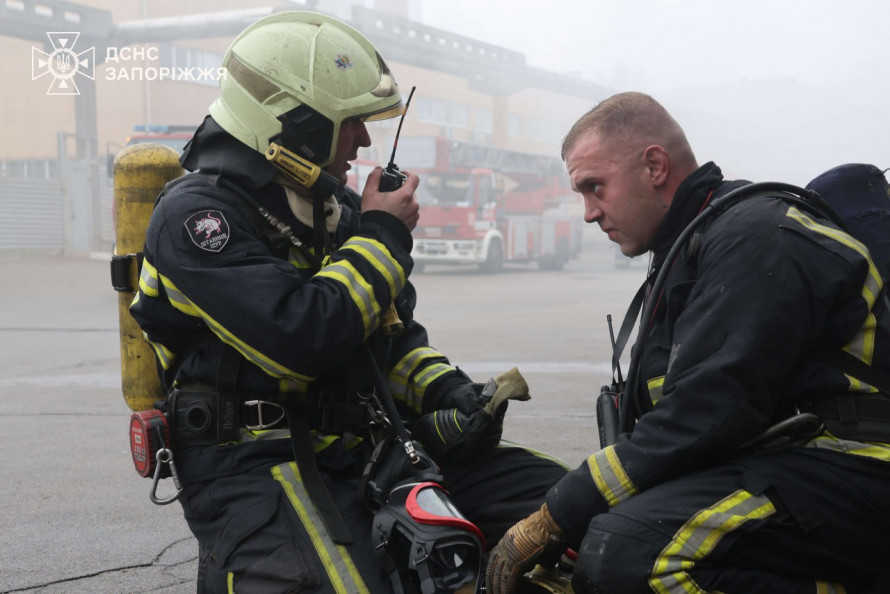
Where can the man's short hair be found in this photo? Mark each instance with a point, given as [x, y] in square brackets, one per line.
[627, 115]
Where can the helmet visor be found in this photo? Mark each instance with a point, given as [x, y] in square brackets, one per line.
[383, 114]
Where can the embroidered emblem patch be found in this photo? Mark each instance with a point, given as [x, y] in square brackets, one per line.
[208, 230]
[343, 61]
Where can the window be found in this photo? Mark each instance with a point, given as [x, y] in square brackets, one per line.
[484, 119]
[514, 125]
[441, 111]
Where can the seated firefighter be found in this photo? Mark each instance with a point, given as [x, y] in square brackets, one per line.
[753, 444]
[266, 299]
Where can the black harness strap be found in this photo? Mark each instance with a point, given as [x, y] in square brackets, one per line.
[304, 456]
[228, 411]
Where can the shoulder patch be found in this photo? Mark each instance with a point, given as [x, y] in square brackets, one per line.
[208, 229]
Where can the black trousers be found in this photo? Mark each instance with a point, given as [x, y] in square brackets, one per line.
[259, 532]
[793, 522]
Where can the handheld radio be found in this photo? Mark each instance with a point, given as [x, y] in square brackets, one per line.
[392, 178]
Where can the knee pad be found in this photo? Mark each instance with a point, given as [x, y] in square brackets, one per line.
[616, 556]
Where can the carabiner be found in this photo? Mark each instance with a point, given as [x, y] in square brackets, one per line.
[164, 456]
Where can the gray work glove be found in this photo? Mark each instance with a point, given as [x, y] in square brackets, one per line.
[458, 434]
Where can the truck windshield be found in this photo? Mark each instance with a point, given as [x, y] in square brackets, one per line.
[445, 189]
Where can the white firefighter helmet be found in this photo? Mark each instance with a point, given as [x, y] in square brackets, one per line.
[293, 77]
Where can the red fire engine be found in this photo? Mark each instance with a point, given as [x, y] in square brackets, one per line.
[487, 206]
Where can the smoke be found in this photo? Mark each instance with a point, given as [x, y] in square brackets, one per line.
[770, 90]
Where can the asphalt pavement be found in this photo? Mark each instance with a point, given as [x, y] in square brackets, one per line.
[76, 517]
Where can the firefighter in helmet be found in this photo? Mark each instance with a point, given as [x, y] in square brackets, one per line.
[263, 299]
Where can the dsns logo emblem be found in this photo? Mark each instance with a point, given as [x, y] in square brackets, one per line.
[63, 64]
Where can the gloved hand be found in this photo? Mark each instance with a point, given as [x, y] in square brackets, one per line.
[459, 433]
[454, 390]
[534, 539]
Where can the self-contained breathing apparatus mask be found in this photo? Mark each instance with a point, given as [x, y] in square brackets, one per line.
[427, 546]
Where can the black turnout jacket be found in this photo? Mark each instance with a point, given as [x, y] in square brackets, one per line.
[215, 272]
[731, 347]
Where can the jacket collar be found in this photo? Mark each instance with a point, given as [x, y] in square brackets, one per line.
[215, 151]
[690, 197]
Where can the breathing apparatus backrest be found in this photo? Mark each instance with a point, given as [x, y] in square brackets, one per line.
[860, 194]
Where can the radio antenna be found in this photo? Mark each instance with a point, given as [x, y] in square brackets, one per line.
[395, 142]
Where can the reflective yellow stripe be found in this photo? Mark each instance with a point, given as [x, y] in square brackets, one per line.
[509, 444]
[407, 364]
[183, 304]
[862, 345]
[698, 537]
[338, 564]
[609, 475]
[655, 385]
[164, 355]
[830, 588]
[877, 451]
[873, 283]
[230, 582]
[298, 259]
[178, 300]
[436, 422]
[423, 380]
[360, 290]
[400, 381]
[379, 257]
[148, 279]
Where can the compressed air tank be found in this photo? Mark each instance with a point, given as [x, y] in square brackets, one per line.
[140, 172]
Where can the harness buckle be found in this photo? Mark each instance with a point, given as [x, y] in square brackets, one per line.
[375, 409]
[261, 424]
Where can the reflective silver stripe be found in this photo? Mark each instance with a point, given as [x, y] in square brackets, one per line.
[378, 255]
[656, 388]
[338, 564]
[422, 380]
[177, 299]
[148, 279]
[610, 477]
[360, 290]
[700, 535]
[399, 377]
[878, 451]
[164, 355]
[862, 344]
[407, 364]
[873, 282]
[299, 260]
[182, 303]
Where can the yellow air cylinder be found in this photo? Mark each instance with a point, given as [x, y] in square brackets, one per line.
[140, 172]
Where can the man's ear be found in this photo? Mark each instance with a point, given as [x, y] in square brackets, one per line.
[658, 165]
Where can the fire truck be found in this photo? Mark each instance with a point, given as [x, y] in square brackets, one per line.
[488, 206]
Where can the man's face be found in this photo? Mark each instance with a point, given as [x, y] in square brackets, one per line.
[617, 191]
[353, 135]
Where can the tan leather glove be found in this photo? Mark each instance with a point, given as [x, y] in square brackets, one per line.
[521, 548]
